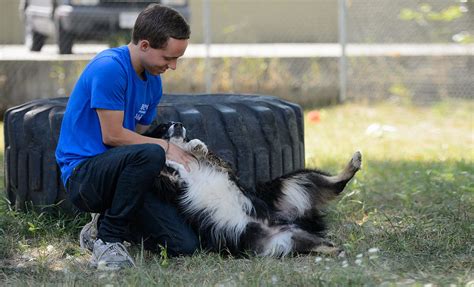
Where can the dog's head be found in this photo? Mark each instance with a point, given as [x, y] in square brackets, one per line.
[171, 131]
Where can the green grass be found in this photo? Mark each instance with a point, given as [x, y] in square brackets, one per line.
[413, 200]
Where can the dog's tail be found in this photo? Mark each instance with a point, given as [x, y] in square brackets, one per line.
[299, 193]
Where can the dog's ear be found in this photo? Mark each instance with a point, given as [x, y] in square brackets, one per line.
[158, 131]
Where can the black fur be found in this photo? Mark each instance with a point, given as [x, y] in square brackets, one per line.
[286, 215]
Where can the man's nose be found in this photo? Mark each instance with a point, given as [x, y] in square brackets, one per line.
[172, 64]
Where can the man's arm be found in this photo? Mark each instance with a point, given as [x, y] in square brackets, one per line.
[114, 134]
[141, 129]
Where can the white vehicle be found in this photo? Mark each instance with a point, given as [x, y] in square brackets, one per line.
[71, 20]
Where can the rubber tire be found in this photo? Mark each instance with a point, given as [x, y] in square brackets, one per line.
[34, 41]
[65, 40]
[31, 132]
[261, 136]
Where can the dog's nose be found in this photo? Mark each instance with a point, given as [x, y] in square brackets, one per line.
[177, 130]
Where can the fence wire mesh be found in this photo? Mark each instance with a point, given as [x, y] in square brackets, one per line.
[422, 70]
[406, 50]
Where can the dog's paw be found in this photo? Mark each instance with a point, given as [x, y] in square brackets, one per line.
[198, 145]
[356, 161]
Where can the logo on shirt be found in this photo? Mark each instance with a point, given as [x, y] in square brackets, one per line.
[141, 112]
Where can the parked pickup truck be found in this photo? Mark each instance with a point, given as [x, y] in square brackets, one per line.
[71, 20]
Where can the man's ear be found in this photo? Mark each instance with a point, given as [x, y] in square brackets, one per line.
[144, 45]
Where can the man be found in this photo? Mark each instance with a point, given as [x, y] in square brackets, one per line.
[107, 166]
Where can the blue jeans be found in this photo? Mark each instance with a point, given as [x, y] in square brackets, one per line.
[120, 184]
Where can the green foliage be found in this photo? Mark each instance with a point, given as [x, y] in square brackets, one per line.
[464, 38]
[400, 91]
[426, 14]
[164, 258]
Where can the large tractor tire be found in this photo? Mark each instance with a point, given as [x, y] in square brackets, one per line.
[260, 136]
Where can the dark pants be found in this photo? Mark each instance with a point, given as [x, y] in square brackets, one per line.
[120, 185]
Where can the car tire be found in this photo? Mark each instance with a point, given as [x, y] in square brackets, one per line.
[34, 41]
[260, 136]
[65, 40]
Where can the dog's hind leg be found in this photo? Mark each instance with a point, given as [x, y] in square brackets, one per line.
[267, 241]
[338, 182]
[296, 195]
[281, 240]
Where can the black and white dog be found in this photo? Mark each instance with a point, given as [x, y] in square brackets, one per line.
[284, 216]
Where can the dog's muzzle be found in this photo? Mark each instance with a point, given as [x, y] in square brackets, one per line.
[177, 131]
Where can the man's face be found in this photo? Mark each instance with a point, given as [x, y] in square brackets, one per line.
[157, 61]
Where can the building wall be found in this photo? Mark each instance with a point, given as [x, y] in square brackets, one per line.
[11, 27]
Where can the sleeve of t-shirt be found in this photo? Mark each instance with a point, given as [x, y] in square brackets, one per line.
[157, 91]
[108, 84]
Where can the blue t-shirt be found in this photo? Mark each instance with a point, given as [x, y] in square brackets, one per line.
[108, 82]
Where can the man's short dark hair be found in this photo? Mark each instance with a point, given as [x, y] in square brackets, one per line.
[159, 23]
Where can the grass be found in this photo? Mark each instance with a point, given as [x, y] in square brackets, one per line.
[412, 201]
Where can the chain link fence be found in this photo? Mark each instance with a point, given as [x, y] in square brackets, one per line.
[428, 66]
[404, 50]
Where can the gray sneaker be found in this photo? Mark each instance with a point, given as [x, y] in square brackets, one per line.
[88, 234]
[108, 256]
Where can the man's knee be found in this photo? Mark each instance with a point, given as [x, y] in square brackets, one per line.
[151, 156]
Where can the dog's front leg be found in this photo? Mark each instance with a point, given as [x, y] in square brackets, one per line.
[196, 145]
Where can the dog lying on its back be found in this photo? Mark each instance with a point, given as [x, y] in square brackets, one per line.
[284, 215]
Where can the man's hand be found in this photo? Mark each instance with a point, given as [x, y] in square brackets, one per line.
[178, 155]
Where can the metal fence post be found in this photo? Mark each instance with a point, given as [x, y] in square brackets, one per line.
[207, 42]
[342, 42]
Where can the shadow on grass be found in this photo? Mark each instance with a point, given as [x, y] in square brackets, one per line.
[419, 213]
